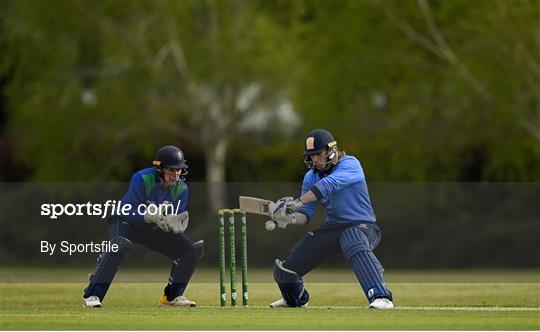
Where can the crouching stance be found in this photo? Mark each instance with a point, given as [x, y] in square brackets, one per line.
[337, 181]
[159, 225]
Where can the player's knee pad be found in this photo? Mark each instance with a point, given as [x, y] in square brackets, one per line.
[353, 241]
[124, 244]
[367, 268]
[196, 249]
[107, 266]
[108, 262]
[291, 285]
[189, 259]
[182, 269]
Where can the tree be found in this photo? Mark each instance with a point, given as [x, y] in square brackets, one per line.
[132, 75]
[424, 89]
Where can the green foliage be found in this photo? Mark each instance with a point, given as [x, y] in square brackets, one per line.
[106, 82]
[419, 90]
[426, 93]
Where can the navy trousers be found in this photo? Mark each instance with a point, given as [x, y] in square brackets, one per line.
[355, 242]
[323, 243]
[171, 245]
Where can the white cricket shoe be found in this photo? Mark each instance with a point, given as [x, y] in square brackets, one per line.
[92, 302]
[381, 303]
[180, 301]
[282, 304]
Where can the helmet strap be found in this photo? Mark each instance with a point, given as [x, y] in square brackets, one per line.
[332, 157]
[309, 163]
[159, 173]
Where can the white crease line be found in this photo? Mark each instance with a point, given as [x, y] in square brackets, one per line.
[471, 308]
[487, 309]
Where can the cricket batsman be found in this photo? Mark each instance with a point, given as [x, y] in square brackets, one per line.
[337, 182]
[159, 229]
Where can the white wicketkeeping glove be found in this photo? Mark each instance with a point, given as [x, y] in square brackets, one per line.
[156, 219]
[176, 223]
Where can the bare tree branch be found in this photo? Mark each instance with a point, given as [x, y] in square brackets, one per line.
[161, 55]
[531, 128]
[437, 45]
[436, 34]
[214, 33]
[174, 44]
[423, 41]
[448, 54]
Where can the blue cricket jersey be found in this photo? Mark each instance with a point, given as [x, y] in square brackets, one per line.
[145, 188]
[342, 192]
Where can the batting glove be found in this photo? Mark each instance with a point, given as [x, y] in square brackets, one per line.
[278, 214]
[292, 206]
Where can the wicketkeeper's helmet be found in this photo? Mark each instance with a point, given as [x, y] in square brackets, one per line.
[170, 157]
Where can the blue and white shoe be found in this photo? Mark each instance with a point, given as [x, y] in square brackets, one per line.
[92, 302]
[180, 301]
[282, 304]
[381, 303]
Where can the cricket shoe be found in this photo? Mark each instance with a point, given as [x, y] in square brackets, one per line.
[179, 301]
[381, 303]
[282, 304]
[92, 302]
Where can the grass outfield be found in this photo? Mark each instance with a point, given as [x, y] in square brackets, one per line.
[333, 306]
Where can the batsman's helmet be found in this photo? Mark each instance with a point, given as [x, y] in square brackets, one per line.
[317, 141]
[170, 157]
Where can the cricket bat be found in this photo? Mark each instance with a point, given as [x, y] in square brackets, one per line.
[254, 205]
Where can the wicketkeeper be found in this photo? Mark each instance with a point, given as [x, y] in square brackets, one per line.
[337, 182]
[158, 229]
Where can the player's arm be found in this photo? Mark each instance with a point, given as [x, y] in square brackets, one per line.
[138, 216]
[302, 217]
[308, 197]
[135, 197]
[175, 221]
[178, 222]
[349, 172]
[182, 201]
[304, 213]
[294, 211]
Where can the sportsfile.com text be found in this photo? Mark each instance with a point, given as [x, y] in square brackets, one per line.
[109, 208]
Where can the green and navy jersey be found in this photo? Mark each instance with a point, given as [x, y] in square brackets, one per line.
[342, 192]
[145, 188]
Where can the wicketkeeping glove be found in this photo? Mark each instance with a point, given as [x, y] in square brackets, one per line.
[176, 223]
